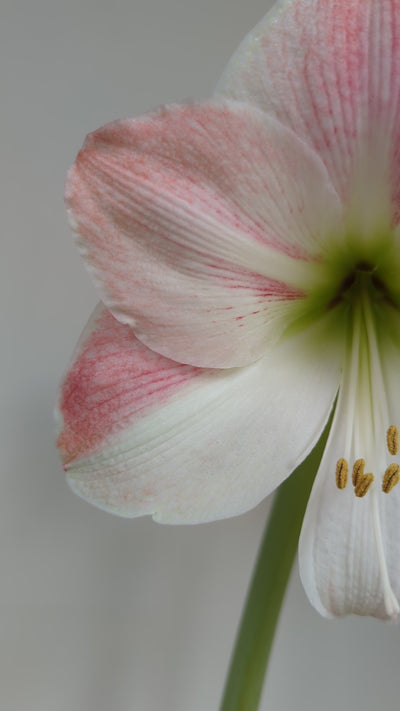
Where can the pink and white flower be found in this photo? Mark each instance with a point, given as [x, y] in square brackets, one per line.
[247, 254]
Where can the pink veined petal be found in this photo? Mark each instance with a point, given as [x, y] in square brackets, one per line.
[331, 71]
[114, 380]
[141, 434]
[338, 555]
[198, 223]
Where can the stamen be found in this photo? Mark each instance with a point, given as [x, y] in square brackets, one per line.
[363, 485]
[391, 478]
[358, 470]
[392, 440]
[342, 473]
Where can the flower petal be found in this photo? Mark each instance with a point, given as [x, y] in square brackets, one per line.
[337, 552]
[331, 71]
[197, 222]
[338, 549]
[141, 434]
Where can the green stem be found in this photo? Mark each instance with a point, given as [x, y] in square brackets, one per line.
[275, 559]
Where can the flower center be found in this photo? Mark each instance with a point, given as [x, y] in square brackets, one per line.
[355, 277]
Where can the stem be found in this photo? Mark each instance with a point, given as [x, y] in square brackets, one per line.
[271, 574]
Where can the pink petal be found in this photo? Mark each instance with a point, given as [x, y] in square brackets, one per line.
[329, 69]
[114, 379]
[197, 222]
[140, 434]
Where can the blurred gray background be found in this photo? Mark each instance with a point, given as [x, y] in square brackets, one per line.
[98, 613]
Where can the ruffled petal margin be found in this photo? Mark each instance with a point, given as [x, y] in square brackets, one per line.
[141, 434]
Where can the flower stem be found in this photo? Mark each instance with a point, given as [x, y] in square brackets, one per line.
[271, 574]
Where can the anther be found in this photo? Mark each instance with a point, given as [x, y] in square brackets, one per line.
[342, 472]
[358, 470]
[363, 484]
[392, 439]
[391, 478]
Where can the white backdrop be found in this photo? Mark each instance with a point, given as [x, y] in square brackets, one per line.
[98, 613]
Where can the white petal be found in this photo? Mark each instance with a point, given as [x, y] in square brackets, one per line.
[338, 550]
[215, 448]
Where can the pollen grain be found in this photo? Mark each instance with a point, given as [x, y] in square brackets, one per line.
[363, 484]
[342, 473]
[391, 477]
[392, 439]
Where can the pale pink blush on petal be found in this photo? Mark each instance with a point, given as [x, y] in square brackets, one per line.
[197, 222]
[114, 379]
[331, 71]
[144, 435]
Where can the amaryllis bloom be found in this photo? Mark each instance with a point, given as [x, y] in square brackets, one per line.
[247, 254]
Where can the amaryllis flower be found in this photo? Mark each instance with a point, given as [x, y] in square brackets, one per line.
[247, 254]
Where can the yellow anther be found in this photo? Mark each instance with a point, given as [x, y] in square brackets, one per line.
[392, 439]
[358, 470]
[363, 484]
[391, 478]
[342, 473]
